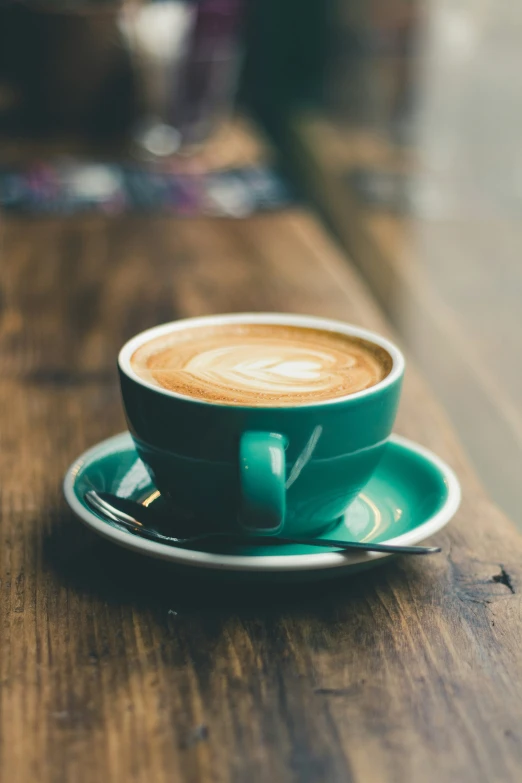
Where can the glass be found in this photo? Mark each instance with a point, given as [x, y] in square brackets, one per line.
[185, 56]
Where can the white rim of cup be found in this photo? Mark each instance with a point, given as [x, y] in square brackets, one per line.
[285, 319]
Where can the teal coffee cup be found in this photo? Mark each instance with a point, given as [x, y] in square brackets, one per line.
[292, 468]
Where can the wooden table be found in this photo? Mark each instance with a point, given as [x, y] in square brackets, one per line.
[112, 668]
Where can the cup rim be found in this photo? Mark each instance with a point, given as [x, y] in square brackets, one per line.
[285, 319]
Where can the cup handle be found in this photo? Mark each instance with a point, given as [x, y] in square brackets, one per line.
[262, 482]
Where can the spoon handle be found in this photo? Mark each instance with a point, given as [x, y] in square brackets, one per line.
[356, 545]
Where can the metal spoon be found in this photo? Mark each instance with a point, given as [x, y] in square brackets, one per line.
[129, 513]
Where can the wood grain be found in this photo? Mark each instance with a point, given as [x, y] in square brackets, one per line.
[112, 667]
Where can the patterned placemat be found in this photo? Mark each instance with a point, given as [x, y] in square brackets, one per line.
[65, 186]
[234, 174]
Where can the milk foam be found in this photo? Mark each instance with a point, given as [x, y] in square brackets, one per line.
[261, 364]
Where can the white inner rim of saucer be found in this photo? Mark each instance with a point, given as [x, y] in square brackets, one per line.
[316, 561]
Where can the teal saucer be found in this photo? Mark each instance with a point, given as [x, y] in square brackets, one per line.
[411, 496]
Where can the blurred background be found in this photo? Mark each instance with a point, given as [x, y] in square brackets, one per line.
[399, 120]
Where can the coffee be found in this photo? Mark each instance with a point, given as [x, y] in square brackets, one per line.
[256, 364]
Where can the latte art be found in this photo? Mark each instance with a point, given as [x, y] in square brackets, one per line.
[261, 364]
[269, 367]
